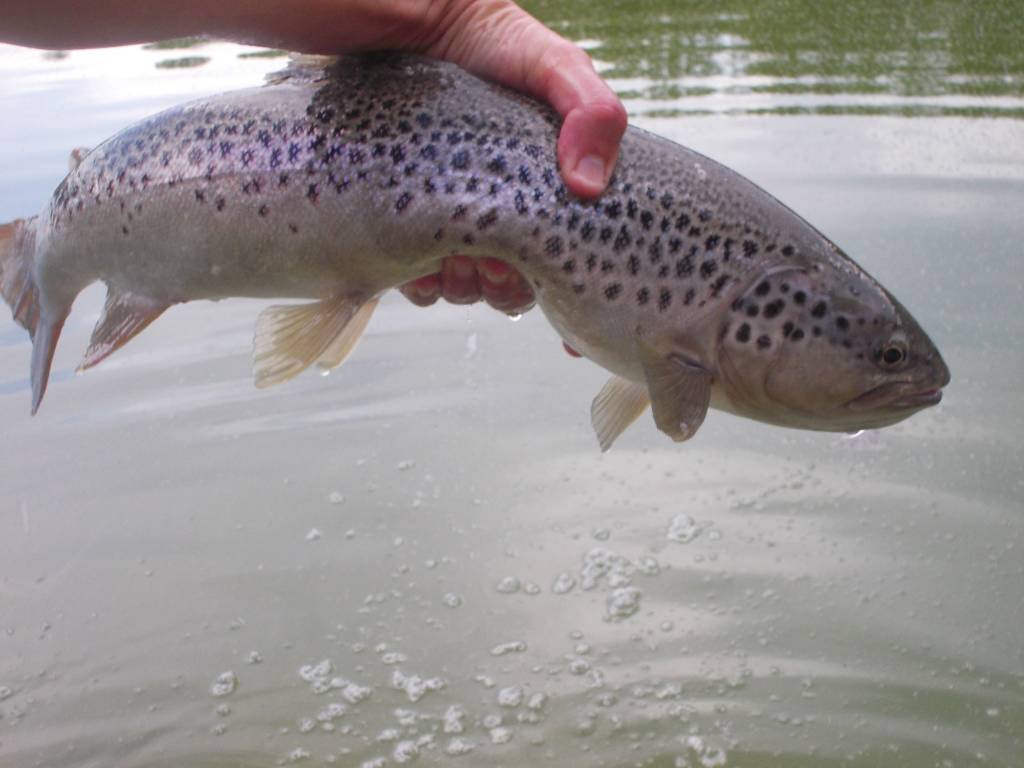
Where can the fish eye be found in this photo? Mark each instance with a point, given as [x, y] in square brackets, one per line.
[893, 353]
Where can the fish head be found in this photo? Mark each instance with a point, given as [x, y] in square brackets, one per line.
[825, 347]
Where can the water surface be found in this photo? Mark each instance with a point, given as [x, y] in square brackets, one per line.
[423, 558]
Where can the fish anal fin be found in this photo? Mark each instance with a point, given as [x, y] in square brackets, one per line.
[617, 405]
[124, 316]
[680, 391]
[291, 338]
[343, 344]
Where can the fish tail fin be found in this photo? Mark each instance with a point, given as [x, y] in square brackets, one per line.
[21, 292]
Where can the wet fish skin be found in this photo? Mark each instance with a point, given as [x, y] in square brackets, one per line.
[689, 283]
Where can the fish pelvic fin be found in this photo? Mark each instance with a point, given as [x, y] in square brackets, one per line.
[124, 316]
[289, 339]
[680, 391]
[21, 292]
[617, 405]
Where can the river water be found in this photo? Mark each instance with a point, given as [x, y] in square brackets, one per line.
[425, 559]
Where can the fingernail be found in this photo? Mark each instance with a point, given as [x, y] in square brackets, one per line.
[496, 272]
[591, 169]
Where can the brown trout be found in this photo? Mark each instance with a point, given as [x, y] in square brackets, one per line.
[341, 179]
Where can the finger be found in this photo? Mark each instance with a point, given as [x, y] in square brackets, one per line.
[423, 291]
[459, 283]
[503, 287]
[499, 41]
[571, 352]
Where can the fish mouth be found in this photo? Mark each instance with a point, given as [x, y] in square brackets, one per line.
[898, 395]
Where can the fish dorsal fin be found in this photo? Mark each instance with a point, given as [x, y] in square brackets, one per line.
[289, 339]
[617, 405]
[302, 67]
[680, 391]
[124, 316]
[345, 341]
[77, 156]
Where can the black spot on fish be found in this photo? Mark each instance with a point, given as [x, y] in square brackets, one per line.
[664, 299]
[429, 152]
[263, 211]
[424, 120]
[688, 298]
[643, 296]
[591, 261]
[524, 174]
[763, 342]
[520, 202]
[816, 331]
[294, 150]
[622, 240]
[684, 267]
[787, 250]
[753, 310]
[708, 268]
[819, 309]
[787, 329]
[487, 219]
[613, 209]
[749, 248]
[397, 153]
[497, 164]
[553, 246]
[312, 193]
[646, 219]
[200, 196]
[842, 323]
[633, 264]
[219, 203]
[124, 230]
[612, 291]
[356, 156]
[772, 309]
[712, 242]
[799, 297]
[282, 180]
[743, 333]
[607, 266]
[473, 184]
[578, 288]
[654, 250]
[459, 212]
[719, 284]
[569, 266]
[763, 288]
[704, 215]
[606, 234]
[682, 222]
[631, 208]
[293, 228]
[796, 335]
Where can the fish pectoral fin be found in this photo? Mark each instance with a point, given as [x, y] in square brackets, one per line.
[124, 316]
[291, 338]
[680, 391]
[617, 405]
[343, 344]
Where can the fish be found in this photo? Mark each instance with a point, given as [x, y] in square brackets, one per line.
[342, 178]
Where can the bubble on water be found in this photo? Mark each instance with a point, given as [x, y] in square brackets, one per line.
[713, 757]
[353, 693]
[405, 752]
[508, 585]
[501, 735]
[991, 711]
[579, 666]
[457, 747]
[485, 680]
[376, 762]
[513, 646]
[415, 687]
[313, 672]
[537, 701]
[336, 497]
[5, 692]
[224, 685]
[307, 725]
[453, 717]
[600, 563]
[649, 566]
[623, 603]
[531, 588]
[331, 712]
[601, 534]
[254, 657]
[564, 582]
[511, 696]
[451, 600]
[683, 529]
[297, 755]
[389, 734]
[219, 729]
[314, 534]
[405, 466]
[393, 657]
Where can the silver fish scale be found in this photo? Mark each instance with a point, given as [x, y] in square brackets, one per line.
[473, 158]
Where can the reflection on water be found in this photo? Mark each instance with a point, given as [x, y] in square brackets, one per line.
[783, 56]
[423, 558]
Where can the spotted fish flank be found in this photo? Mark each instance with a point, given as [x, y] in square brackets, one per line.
[338, 181]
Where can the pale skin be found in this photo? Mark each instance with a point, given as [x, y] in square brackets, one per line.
[492, 38]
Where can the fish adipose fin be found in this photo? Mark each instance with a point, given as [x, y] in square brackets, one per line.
[124, 316]
[680, 391]
[617, 405]
[289, 339]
